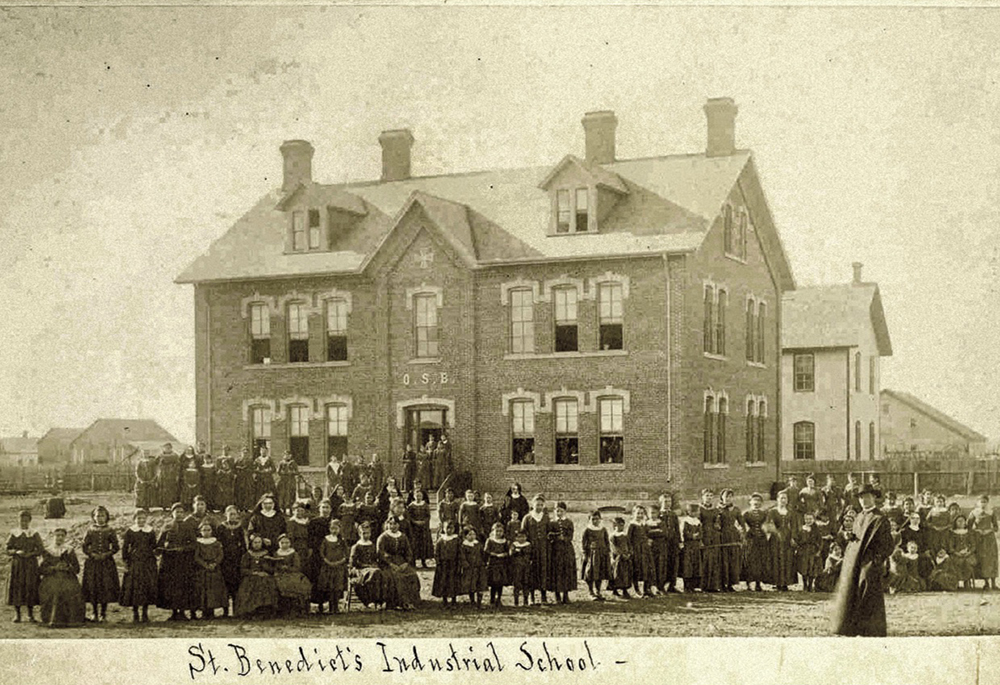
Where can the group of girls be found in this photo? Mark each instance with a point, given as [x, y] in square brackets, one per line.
[940, 547]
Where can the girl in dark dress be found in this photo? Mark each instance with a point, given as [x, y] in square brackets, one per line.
[756, 553]
[937, 524]
[100, 575]
[263, 475]
[672, 536]
[488, 515]
[962, 550]
[520, 567]
[658, 548]
[448, 509]
[468, 513]
[168, 476]
[59, 592]
[514, 501]
[139, 554]
[692, 551]
[225, 480]
[294, 589]
[471, 568]
[621, 559]
[209, 481]
[731, 538]
[338, 497]
[317, 529]
[297, 528]
[233, 539]
[175, 581]
[497, 563]
[368, 511]
[396, 558]
[642, 553]
[145, 483]
[24, 547]
[243, 481]
[190, 477]
[563, 557]
[711, 537]
[596, 556]
[535, 525]
[445, 584]
[368, 580]
[983, 521]
[348, 513]
[807, 552]
[267, 522]
[258, 592]
[780, 518]
[209, 583]
[288, 474]
[827, 581]
[420, 528]
[331, 581]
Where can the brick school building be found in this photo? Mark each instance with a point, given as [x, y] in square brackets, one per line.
[594, 328]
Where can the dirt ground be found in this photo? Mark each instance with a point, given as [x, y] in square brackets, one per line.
[765, 614]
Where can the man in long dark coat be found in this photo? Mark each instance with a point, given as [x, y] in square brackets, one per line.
[860, 604]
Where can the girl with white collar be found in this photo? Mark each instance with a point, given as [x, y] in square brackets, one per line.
[24, 547]
[59, 592]
[139, 555]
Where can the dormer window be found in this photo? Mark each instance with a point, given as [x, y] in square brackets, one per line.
[581, 210]
[298, 231]
[565, 211]
[314, 229]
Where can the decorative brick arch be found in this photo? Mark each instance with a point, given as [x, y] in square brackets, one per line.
[403, 405]
[424, 289]
[565, 281]
[520, 394]
[334, 294]
[608, 391]
[507, 286]
[258, 402]
[296, 296]
[579, 395]
[608, 277]
[269, 300]
[342, 400]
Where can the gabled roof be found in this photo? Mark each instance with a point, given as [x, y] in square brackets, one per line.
[316, 195]
[124, 431]
[833, 316]
[601, 176]
[669, 208]
[63, 436]
[935, 415]
[18, 445]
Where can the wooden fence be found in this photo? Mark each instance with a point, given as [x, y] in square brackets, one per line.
[68, 477]
[949, 476]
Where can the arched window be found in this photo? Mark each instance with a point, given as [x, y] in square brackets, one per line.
[761, 422]
[260, 333]
[567, 435]
[336, 430]
[804, 436]
[522, 430]
[751, 429]
[336, 330]
[522, 321]
[298, 332]
[720, 431]
[260, 428]
[727, 229]
[298, 433]
[709, 430]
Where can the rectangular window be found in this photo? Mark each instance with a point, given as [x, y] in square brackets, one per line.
[761, 419]
[751, 429]
[260, 333]
[261, 428]
[871, 440]
[336, 330]
[709, 332]
[566, 333]
[708, 432]
[563, 211]
[426, 325]
[751, 332]
[567, 438]
[298, 231]
[314, 229]
[872, 363]
[857, 441]
[761, 318]
[804, 434]
[522, 424]
[298, 433]
[298, 332]
[720, 323]
[720, 431]
[582, 215]
[857, 372]
[610, 314]
[336, 430]
[522, 321]
[805, 372]
[612, 436]
[727, 229]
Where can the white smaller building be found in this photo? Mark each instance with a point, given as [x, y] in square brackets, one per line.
[20, 451]
[832, 340]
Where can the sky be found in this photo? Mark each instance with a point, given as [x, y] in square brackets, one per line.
[131, 138]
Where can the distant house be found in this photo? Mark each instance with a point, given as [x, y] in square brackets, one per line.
[54, 446]
[111, 440]
[21, 451]
[911, 425]
[832, 340]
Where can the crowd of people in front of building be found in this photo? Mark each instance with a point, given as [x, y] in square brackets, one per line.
[290, 552]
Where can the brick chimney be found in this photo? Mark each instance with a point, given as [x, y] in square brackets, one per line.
[599, 130]
[396, 146]
[297, 156]
[857, 272]
[721, 115]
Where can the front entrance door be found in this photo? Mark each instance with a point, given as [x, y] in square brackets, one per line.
[424, 423]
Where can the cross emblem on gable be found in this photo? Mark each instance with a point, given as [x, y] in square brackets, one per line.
[425, 257]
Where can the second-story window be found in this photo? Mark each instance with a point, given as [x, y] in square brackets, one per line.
[522, 424]
[728, 237]
[336, 430]
[564, 212]
[716, 299]
[751, 432]
[610, 315]
[298, 332]
[260, 333]
[567, 437]
[298, 231]
[857, 372]
[426, 324]
[565, 315]
[336, 330]
[720, 322]
[611, 411]
[751, 331]
[260, 430]
[761, 338]
[582, 214]
[314, 230]
[522, 321]
[872, 364]
[804, 372]
[298, 433]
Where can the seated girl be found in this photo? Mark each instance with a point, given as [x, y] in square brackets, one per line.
[258, 592]
[294, 589]
[60, 593]
[962, 549]
[904, 573]
[827, 580]
[367, 579]
[944, 577]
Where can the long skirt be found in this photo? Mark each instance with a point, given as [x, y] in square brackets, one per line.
[782, 562]
[175, 583]
[711, 568]
[100, 581]
[331, 580]
[22, 586]
[210, 589]
[256, 592]
[446, 581]
[757, 560]
[596, 567]
[643, 568]
[293, 585]
[986, 556]
[404, 586]
[563, 566]
[621, 573]
[62, 601]
[370, 585]
[423, 544]
[139, 584]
